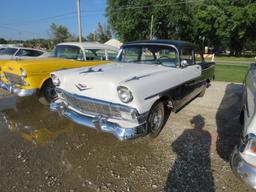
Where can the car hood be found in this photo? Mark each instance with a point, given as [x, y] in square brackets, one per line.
[36, 61]
[101, 82]
[114, 72]
[44, 65]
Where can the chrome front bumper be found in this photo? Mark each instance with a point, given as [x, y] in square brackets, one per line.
[20, 92]
[242, 169]
[99, 123]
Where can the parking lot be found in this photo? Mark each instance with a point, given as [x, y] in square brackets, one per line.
[41, 151]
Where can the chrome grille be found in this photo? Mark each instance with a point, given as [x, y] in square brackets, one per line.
[91, 106]
[14, 78]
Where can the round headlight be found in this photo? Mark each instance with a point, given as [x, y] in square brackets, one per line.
[55, 80]
[124, 94]
[23, 73]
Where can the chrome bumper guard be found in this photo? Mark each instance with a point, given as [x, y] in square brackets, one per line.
[20, 92]
[242, 169]
[99, 123]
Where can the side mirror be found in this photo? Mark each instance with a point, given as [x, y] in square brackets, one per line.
[184, 63]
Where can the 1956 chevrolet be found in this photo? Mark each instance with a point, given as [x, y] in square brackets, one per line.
[133, 96]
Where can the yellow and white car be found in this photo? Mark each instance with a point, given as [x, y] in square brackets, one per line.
[28, 77]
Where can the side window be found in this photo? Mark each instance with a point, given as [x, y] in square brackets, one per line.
[36, 53]
[111, 55]
[188, 55]
[28, 53]
[21, 53]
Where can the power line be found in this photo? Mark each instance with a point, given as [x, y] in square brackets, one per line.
[72, 15]
[19, 31]
[157, 5]
[41, 19]
[93, 12]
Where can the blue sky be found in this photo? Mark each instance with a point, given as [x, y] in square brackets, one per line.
[27, 19]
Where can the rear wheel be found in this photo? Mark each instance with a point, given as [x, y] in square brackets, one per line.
[47, 93]
[156, 119]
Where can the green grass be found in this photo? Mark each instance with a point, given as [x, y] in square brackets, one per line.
[230, 58]
[230, 73]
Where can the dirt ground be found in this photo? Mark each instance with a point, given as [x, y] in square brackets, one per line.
[41, 151]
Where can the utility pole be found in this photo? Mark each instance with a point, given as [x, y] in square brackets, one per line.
[151, 27]
[79, 20]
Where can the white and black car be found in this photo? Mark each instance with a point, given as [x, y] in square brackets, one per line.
[243, 158]
[133, 96]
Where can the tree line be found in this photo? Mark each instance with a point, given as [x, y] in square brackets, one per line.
[222, 24]
[60, 33]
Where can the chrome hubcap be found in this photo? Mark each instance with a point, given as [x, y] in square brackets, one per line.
[156, 119]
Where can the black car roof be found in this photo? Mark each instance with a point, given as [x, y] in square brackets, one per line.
[176, 43]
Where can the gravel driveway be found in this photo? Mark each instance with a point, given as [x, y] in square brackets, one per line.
[41, 151]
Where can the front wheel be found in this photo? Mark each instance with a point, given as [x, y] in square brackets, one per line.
[156, 119]
[47, 93]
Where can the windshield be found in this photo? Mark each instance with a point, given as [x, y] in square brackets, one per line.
[149, 54]
[67, 52]
[8, 51]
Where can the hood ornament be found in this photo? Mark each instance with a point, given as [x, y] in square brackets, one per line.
[82, 87]
[136, 78]
[91, 70]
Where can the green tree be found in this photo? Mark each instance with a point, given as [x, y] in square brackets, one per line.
[91, 37]
[131, 19]
[59, 33]
[39, 43]
[217, 23]
[129, 23]
[226, 23]
[3, 41]
[102, 34]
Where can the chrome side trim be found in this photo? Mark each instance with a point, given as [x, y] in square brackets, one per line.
[99, 123]
[17, 91]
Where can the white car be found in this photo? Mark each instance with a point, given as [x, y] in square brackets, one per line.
[243, 158]
[12, 53]
[131, 97]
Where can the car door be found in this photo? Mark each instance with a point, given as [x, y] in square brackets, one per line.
[192, 86]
